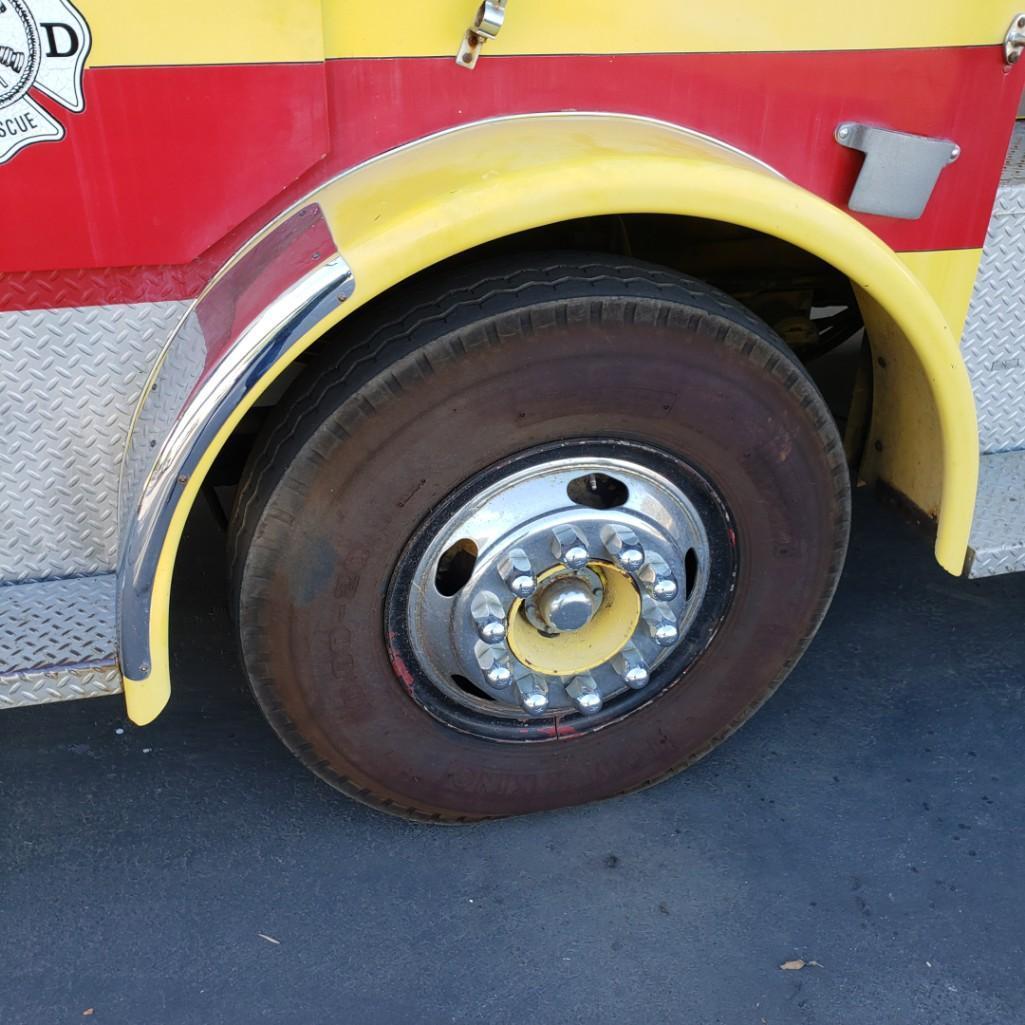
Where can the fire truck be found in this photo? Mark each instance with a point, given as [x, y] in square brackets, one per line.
[494, 324]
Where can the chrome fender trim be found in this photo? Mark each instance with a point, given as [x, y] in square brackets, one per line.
[267, 299]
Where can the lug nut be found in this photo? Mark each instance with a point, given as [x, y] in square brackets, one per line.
[532, 692]
[584, 693]
[499, 676]
[622, 544]
[658, 578]
[494, 663]
[630, 667]
[660, 622]
[665, 634]
[569, 546]
[515, 569]
[489, 616]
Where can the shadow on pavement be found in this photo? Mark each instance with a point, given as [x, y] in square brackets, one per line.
[870, 818]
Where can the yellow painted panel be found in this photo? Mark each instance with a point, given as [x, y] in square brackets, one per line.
[950, 277]
[130, 33]
[418, 205]
[415, 28]
[146, 699]
[905, 426]
[580, 651]
[904, 423]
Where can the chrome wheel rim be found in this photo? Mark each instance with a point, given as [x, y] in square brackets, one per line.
[567, 585]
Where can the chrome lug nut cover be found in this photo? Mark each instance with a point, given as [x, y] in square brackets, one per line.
[569, 546]
[657, 577]
[515, 569]
[532, 692]
[661, 623]
[630, 666]
[622, 544]
[585, 694]
[495, 664]
[489, 616]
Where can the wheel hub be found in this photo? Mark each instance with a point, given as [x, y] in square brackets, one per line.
[614, 611]
[565, 600]
[567, 604]
[572, 597]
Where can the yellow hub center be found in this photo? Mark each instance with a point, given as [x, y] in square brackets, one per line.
[569, 654]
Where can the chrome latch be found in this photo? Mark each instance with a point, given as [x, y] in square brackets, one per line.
[486, 25]
[900, 170]
[1014, 41]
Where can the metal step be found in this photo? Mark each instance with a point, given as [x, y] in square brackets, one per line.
[997, 543]
[993, 346]
[993, 343]
[57, 641]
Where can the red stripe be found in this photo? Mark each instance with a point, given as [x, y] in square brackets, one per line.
[163, 163]
[780, 107]
[179, 165]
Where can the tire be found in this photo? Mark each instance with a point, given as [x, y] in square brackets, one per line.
[455, 375]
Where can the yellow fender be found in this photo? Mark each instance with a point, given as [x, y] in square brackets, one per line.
[415, 206]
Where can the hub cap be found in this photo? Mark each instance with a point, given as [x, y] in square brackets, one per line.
[556, 588]
[568, 604]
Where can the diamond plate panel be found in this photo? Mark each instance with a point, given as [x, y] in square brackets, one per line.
[993, 343]
[1013, 176]
[57, 622]
[997, 542]
[70, 380]
[180, 367]
[38, 688]
[57, 640]
[103, 286]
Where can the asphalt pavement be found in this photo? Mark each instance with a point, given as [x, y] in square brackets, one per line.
[870, 822]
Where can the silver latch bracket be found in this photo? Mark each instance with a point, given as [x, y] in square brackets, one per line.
[1014, 41]
[486, 25]
[900, 170]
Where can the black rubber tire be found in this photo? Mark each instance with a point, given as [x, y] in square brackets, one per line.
[453, 374]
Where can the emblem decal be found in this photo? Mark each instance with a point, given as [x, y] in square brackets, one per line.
[43, 46]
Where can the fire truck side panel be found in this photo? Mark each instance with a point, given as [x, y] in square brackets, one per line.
[235, 142]
[204, 125]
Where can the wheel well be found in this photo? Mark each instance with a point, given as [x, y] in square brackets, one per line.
[808, 302]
